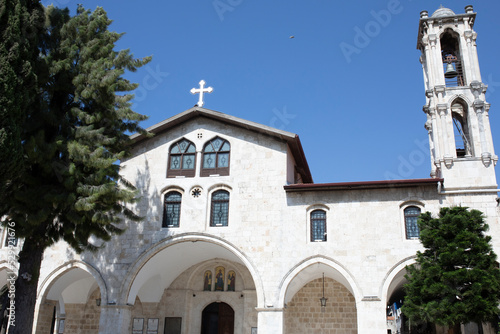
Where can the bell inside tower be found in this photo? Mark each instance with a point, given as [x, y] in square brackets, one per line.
[452, 65]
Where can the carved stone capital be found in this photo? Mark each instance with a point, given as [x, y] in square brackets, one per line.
[439, 89]
[428, 126]
[426, 109]
[425, 41]
[448, 161]
[478, 105]
[442, 108]
[485, 88]
[432, 39]
[476, 85]
[433, 174]
[429, 93]
[470, 36]
[486, 159]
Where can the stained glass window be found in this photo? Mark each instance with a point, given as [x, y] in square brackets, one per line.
[411, 217]
[182, 159]
[172, 209]
[220, 208]
[216, 157]
[318, 225]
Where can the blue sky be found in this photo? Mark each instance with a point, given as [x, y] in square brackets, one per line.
[359, 115]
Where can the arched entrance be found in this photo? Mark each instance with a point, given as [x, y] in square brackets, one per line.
[217, 318]
[70, 300]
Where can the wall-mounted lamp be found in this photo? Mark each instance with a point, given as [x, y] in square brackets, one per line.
[323, 299]
[98, 301]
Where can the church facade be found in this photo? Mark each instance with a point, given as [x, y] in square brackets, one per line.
[238, 239]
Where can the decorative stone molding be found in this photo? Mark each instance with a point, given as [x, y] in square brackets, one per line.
[432, 39]
[429, 93]
[442, 108]
[370, 299]
[476, 88]
[434, 173]
[428, 126]
[486, 158]
[439, 89]
[448, 161]
[478, 105]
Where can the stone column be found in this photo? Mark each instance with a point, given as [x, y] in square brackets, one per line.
[270, 321]
[372, 317]
[115, 319]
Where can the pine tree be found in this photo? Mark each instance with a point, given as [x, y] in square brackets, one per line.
[20, 24]
[455, 279]
[72, 139]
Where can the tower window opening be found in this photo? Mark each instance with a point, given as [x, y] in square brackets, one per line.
[461, 131]
[452, 64]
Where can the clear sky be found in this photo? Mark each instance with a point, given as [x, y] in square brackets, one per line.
[358, 115]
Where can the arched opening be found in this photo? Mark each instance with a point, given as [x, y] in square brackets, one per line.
[319, 298]
[452, 59]
[460, 117]
[175, 289]
[71, 301]
[217, 318]
[397, 322]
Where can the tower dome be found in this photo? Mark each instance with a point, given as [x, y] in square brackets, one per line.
[442, 12]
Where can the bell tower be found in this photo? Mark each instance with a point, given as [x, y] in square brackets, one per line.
[458, 124]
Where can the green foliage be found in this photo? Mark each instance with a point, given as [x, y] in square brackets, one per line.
[75, 134]
[20, 24]
[455, 279]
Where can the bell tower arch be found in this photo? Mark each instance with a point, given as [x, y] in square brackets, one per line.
[457, 113]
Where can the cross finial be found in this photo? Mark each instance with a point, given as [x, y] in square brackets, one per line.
[200, 91]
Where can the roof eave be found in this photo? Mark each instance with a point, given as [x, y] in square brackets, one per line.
[386, 184]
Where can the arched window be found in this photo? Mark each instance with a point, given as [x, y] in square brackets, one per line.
[182, 159]
[172, 209]
[220, 208]
[318, 225]
[452, 59]
[461, 129]
[411, 217]
[216, 157]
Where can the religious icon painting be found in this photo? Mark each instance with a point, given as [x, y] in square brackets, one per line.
[231, 280]
[219, 278]
[207, 281]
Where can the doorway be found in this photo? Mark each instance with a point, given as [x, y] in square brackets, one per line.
[217, 318]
